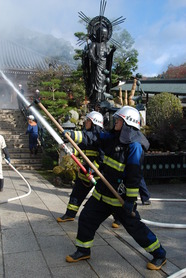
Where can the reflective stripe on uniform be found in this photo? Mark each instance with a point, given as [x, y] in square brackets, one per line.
[78, 136]
[96, 164]
[75, 152]
[114, 164]
[132, 192]
[84, 178]
[87, 244]
[90, 153]
[72, 207]
[110, 201]
[153, 246]
[96, 195]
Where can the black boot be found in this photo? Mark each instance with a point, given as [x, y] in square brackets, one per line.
[1, 184]
[80, 254]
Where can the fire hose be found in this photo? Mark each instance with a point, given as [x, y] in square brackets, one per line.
[62, 144]
[81, 152]
[165, 225]
[179, 274]
[66, 149]
[18, 197]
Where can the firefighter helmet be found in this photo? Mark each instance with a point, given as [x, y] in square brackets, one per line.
[96, 118]
[130, 115]
[31, 117]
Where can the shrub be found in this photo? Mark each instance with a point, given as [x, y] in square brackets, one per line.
[57, 170]
[67, 170]
[47, 162]
[164, 117]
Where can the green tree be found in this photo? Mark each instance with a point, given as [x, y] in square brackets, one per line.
[164, 117]
[125, 58]
[53, 85]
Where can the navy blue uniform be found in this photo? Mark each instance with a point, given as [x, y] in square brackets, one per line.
[88, 143]
[121, 166]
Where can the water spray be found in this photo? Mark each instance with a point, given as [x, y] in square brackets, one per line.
[92, 166]
[63, 146]
[50, 130]
[68, 151]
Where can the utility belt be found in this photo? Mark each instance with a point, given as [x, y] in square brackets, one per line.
[120, 188]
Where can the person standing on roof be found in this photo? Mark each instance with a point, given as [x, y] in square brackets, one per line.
[32, 130]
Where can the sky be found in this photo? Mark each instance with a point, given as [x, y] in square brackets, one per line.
[158, 27]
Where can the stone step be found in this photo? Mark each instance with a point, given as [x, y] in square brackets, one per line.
[31, 160]
[13, 127]
[7, 132]
[23, 154]
[23, 166]
[11, 137]
[20, 150]
[18, 139]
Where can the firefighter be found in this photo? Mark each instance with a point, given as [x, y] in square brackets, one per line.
[87, 140]
[123, 158]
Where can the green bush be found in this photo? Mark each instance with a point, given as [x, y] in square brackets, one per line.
[67, 170]
[164, 118]
[58, 170]
[47, 162]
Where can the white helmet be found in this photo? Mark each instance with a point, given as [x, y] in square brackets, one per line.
[31, 117]
[130, 115]
[96, 118]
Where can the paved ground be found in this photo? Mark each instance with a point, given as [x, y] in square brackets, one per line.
[34, 245]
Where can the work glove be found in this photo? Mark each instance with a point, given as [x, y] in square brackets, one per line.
[128, 206]
[66, 131]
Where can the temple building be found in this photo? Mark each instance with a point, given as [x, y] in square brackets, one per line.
[17, 63]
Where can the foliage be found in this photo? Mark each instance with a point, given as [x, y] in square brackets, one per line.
[58, 108]
[47, 162]
[174, 72]
[125, 57]
[76, 88]
[37, 80]
[53, 85]
[67, 169]
[57, 170]
[68, 163]
[60, 91]
[164, 116]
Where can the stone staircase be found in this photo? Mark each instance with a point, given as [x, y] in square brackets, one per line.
[13, 127]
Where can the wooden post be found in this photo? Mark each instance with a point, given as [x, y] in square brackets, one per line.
[120, 96]
[131, 101]
[126, 98]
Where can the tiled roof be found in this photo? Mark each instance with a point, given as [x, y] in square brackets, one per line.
[157, 86]
[17, 57]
